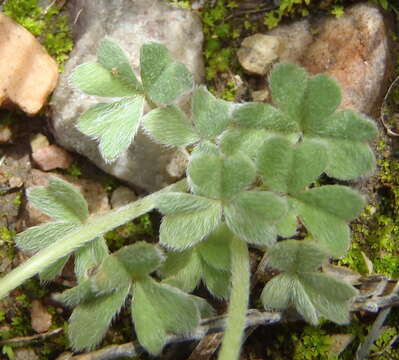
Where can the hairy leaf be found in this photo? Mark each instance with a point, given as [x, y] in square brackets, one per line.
[53, 270]
[288, 168]
[216, 281]
[251, 215]
[113, 58]
[76, 295]
[220, 178]
[288, 84]
[276, 294]
[170, 126]
[94, 79]
[247, 141]
[158, 309]
[261, 115]
[39, 237]
[163, 79]
[59, 200]
[140, 259]
[108, 122]
[189, 219]
[211, 116]
[88, 256]
[89, 321]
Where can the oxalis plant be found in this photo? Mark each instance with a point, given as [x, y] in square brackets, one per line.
[252, 181]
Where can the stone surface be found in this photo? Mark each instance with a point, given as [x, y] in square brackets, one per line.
[131, 23]
[5, 134]
[357, 55]
[122, 196]
[25, 354]
[39, 141]
[94, 194]
[28, 73]
[40, 317]
[262, 95]
[339, 342]
[258, 52]
[52, 157]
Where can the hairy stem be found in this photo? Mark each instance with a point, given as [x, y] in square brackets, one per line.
[239, 297]
[96, 225]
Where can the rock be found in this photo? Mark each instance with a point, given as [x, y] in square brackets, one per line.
[5, 134]
[25, 354]
[40, 317]
[122, 196]
[94, 194]
[262, 95]
[38, 141]
[258, 52]
[339, 342]
[131, 23]
[52, 157]
[28, 73]
[357, 55]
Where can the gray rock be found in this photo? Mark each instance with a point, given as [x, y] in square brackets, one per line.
[353, 49]
[131, 23]
[122, 196]
[258, 52]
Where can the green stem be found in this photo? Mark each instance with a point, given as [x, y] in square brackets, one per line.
[239, 297]
[96, 225]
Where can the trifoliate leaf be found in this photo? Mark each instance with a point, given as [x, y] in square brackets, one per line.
[170, 126]
[113, 58]
[252, 216]
[39, 237]
[189, 219]
[89, 321]
[323, 96]
[59, 200]
[159, 309]
[110, 276]
[261, 115]
[108, 122]
[288, 84]
[211, 116]
[247, 141]
[94, 79]
[53, 270]
[215, 249]
[163, 79]
[205, 309]
[88, 256]
[296, 256]
[206, 147]
[140, 259]
[220, 178]
[76, 295]
[288, 168]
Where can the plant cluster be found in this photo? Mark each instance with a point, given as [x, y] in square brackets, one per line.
[251, 180]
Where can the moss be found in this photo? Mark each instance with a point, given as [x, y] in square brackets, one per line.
[48, 25]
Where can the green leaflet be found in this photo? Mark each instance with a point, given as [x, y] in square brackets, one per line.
[140, 259]
[189, 219]
[261, 115]
[53, 270]
[39, 237]
[211, 116]
[170, 126]
[290, 168]
[313, 294]
[216, 281]
[252, 216]
[59, 200]
[76, 295]
[90, 320]
[247, 141]
[113, 58]
[108, 122]
[88, 256]
[288, 84]
[163, 79]
[94, 79]
[159, 309]
[220, 178]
